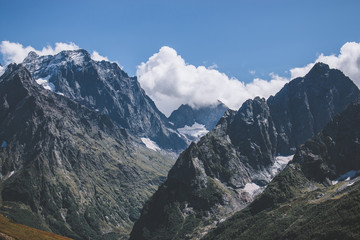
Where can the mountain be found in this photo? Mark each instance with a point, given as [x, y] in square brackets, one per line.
[104, 87]
[317, 194]
[229, 166]
[208, 116]
[194, 123]
[304, 106]
[68, 169]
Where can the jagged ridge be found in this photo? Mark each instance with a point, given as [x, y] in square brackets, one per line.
[302, 202]
[104, 87]
[240, 150]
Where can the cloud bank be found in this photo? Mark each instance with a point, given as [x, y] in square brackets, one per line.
[170, 82]
[16, 52]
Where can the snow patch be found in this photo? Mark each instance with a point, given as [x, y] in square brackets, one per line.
[150, 144]
[196, 130]
[349, 175]
[279, 164]
[266, 175]
[77, 57]
[346, 176]
[44, 82]
[2, 70]
[252, 189]
[11, 173]
[176, 132]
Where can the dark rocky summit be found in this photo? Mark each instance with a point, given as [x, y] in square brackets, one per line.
[223, 172]
[104, 87]
[66, 168]
[305, 105]
[315, 197]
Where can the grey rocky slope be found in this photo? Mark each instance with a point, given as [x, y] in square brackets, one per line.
[223, 171]
[104, 87]
[68, 169]
[315, 197]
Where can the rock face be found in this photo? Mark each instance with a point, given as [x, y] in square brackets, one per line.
[104, 87]
[66, 168]
[304, 106]
[231, 164]
[302, 202]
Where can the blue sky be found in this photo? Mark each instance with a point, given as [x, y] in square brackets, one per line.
[237, 36]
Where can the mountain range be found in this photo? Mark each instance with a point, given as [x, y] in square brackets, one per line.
[82, 145]
[85, 153]
[224, 171]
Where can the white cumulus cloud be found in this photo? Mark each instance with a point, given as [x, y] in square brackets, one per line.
[16, 52]
[170, 82]
[348, 61]
[97, 57]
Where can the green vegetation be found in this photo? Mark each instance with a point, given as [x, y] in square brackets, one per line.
[295, 208]
[301, 202]
[11, 230]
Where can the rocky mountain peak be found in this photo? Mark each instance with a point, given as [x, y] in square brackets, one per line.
[31, 56]
[318, 70]
[18, 78]
[305, 105]
[236, 160]
[253, 133]
[195, 122]
[187, 115]
[313, 195]
[79, 56]
[104, 87]
[65, 168]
